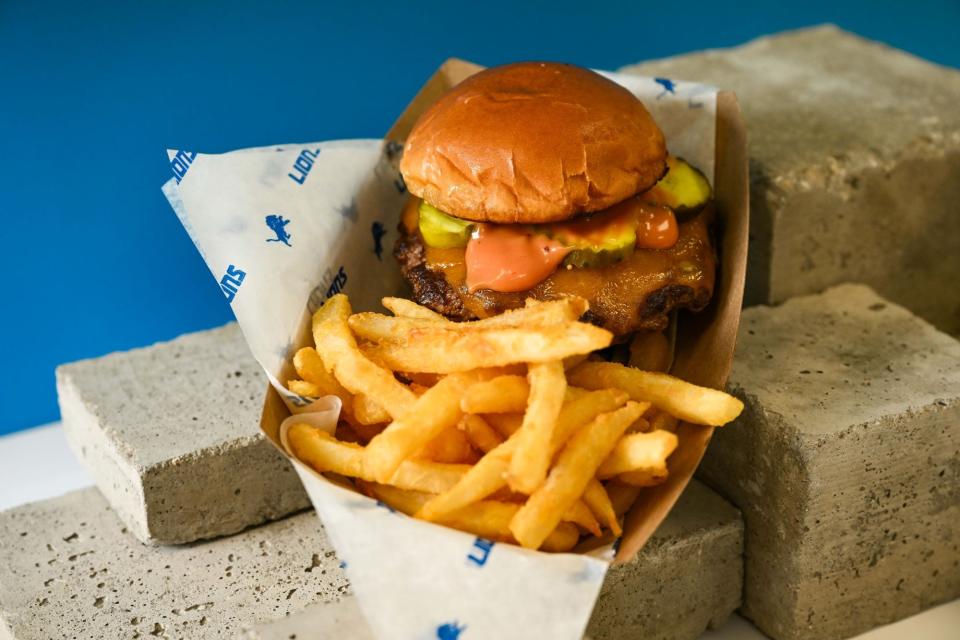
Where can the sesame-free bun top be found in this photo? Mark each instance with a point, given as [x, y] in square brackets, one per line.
[532, 142]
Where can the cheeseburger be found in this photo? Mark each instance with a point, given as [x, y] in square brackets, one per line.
[548, 180]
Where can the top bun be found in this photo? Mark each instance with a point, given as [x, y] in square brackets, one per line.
[532, 142]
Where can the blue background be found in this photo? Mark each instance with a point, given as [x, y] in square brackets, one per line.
[93, 260]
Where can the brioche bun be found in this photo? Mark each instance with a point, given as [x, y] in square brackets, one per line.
[533, 142]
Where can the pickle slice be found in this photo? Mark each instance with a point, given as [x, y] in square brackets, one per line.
[684, 189]
[597, 240]
[441, 230]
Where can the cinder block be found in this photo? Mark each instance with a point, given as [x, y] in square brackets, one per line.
[845, 463]
[171, 436]
[854, 158]
[70, 569]
[687, 579]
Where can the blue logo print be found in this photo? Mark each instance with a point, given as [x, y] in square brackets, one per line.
[480, 552]
[278, 225]
[378, 231]
[302, 165]
[450, 631]
[669, 86]
[231, 282]
[181, 163]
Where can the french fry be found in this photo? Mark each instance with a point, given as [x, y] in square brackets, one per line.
[441, 350]
[503, 394]
[350, 366]
[434, 411]
[639, 452]
[686, 401]
[489, 519]
[480, 481]
[622, 496]
[576, 464]
[450, 445]
[489, 475]
[580, 514]
[409, 309]
[644, 477]
[663, 421]
[304, 388]
[650, 351]
[479, 432]
[325, 454]
[596, 498]
[310, 367]
[367, 411]
[505, 423]
[531, 457]
[410, 318]
[367, 432]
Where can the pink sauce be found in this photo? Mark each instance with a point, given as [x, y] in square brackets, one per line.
[509, 259]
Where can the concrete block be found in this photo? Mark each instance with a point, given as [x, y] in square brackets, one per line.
[845, 463]
[70, 569]
[687, 579]
[170, 434]
[855, 150]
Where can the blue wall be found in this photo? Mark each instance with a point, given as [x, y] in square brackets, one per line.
[92, 258]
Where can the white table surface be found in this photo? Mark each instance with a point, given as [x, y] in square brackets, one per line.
[37, 464]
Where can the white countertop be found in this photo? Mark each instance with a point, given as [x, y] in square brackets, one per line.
[37, 464]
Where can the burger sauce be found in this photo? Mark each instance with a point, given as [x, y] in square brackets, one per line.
[504, 259]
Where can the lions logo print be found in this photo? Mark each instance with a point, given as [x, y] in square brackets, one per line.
[278, 225]
[450, 631]
[669, 86]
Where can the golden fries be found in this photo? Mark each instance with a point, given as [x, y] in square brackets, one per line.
[503, 394]
[568, 479]
[324, 453]
[434, 411]
[596, 498]
[639, 452]
[479, 432]
[686, 401]
[531, 456]
[353, 370]
[436, 349]
[461, 437]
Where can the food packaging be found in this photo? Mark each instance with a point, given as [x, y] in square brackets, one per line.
[283, 228]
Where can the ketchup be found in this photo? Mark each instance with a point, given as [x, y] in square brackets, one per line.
[657, 228]
[502, 259]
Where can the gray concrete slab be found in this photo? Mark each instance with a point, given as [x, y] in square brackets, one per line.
[70, 569]
[854, 155]
[845, 463]
[170, 434]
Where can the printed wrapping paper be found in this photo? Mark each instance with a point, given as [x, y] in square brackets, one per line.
[282, 229]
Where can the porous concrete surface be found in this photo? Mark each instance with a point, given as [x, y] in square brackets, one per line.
[688, 578]
[845, 463]
[70, 569]
[854, 158]
[171, 436]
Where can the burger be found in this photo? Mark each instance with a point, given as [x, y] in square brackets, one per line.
[545, 180]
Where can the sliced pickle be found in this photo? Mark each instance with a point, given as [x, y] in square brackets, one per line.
[441, 230]
[597, 240]
[684, 189]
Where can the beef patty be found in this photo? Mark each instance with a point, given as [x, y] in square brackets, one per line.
[637, 293]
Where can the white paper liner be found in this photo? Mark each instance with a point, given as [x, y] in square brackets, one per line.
[282, 228]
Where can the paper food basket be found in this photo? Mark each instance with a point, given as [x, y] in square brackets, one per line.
[283, 228]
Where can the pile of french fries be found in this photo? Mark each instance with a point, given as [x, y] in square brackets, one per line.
[507, 428]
